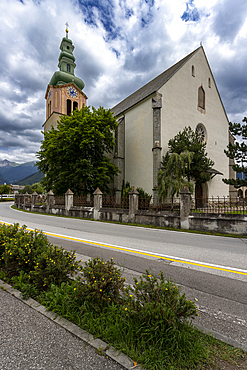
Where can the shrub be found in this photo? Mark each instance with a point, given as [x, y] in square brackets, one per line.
[144, 197]
[102, 283]
[30, 252]
[7, 232]
[158, 303]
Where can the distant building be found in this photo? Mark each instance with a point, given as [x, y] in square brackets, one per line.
[16, 188]
[184, 95]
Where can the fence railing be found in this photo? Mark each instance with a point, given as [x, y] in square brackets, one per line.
[155, 204]
[83, 201]
[111, 201]
[201, 205]
[60, 200]
[219, 205]
[169, 204]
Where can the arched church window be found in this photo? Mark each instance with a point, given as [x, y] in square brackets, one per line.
[68, 67]
[75, 105]
[240, 193]
[193, 71]
[201, 98]
[209, 82]
[201, 132]
[68, 107]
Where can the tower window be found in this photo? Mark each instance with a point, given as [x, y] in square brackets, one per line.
[193, 71]
[68, 67]
[75, 105]
[67, 47]
[68, 107]
[49, 109]
[209, 82]
[201, 98]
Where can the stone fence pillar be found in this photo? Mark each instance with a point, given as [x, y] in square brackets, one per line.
[68, 201]
[97, 203]
[133, 203]
[17, 200]
[26, 196]
[184, 208]
[50, 201]
[34, 199]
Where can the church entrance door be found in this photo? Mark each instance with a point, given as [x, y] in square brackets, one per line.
[199, 196]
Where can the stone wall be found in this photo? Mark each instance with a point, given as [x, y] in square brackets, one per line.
[209, 222]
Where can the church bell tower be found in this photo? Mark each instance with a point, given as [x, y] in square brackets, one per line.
[64, 91]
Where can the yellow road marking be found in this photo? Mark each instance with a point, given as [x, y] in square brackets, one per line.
[138, 252]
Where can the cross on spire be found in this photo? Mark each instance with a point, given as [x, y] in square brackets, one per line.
[67, 28]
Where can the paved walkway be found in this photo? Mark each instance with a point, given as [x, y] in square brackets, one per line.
[29, 340]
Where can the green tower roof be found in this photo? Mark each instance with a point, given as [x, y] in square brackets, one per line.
[66, 65]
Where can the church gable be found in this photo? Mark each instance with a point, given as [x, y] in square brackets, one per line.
[150, 88]
[191, 98]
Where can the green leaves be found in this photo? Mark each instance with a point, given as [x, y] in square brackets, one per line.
[171, 179]
[238, 151]
[185, 161]
[76, 155]
[188, 140]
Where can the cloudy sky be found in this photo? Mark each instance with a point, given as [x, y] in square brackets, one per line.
[119, 46]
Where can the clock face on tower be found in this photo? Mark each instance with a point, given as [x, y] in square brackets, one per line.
[71, 91]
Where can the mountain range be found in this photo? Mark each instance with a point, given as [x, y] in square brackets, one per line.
[11, 172]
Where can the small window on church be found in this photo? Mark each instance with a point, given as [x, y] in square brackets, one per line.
[67, 47]
[209, 82]
[193, 71]
[68, 67]
[68, 107]
[201, 98]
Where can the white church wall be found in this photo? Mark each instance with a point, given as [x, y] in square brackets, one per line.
[180, 109]
[138, 146]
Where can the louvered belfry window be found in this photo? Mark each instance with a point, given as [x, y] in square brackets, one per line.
[201, 97]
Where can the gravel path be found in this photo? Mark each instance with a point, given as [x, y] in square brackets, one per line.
[28, 340]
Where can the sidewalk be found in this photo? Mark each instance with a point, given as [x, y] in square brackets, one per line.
[29, 340]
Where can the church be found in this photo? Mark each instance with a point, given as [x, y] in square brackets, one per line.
[184, 95]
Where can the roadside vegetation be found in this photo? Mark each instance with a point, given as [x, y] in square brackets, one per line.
[149, 320]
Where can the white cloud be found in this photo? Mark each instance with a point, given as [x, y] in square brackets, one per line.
[118, 47]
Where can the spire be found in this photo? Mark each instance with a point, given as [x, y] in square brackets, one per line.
[66, 64]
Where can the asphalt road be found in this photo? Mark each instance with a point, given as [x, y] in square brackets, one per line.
[211, 270]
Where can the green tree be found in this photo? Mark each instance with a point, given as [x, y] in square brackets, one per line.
[5, 189]
[38, 188]
[75, 155]
[27, 189]
[238, 152]
[171, 178]
[188, 140]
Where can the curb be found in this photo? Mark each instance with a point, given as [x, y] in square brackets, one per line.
[96, 343]
[223, 338]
